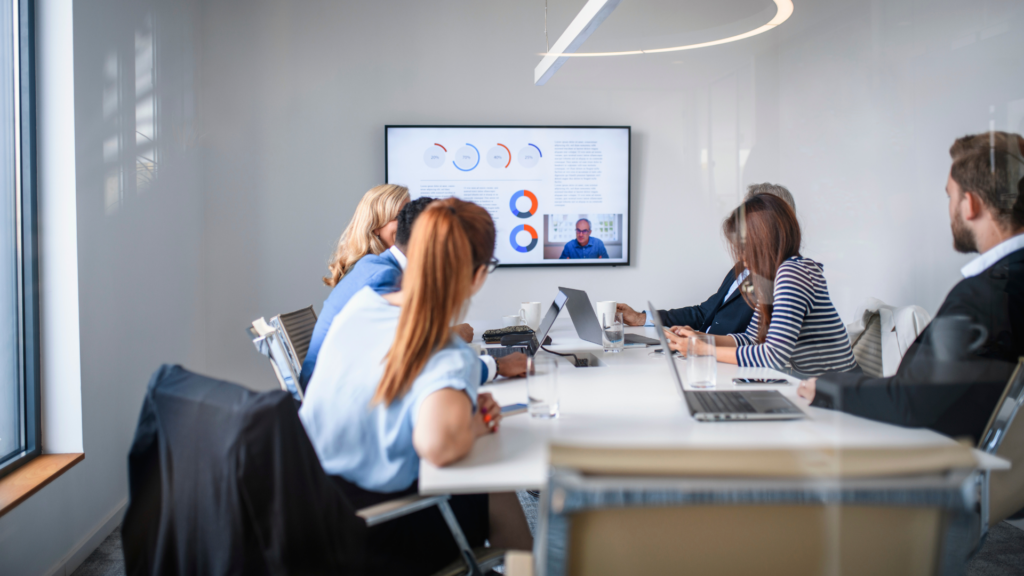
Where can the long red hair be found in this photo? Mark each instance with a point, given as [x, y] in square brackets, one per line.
[763, 232]
[450, 241]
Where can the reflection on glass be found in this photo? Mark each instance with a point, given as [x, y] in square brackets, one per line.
[145, 108]
[113, 188]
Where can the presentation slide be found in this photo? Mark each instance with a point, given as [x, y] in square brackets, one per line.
[558, 195]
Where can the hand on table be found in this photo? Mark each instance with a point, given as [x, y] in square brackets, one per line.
[806, 389]
[512, 366]
[465, 331]
[629, 316]
[678, 337]
[487, 417]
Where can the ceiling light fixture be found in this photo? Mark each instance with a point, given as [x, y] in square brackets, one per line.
[581, 27]
[784, 9]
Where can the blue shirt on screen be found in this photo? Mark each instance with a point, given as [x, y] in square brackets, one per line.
[368, 444]
[380, 272]
[593, 249]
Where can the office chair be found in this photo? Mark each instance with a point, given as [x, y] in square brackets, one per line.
[1003, 490]
[224, 480]
[814, 511]
[882, 334]
[285, 340]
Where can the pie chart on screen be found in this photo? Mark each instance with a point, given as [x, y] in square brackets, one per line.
[531, 241]
[514, 204]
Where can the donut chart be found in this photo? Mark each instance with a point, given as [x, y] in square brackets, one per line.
[434, 156]
[467, 158]
[533, 204]
[523, 228]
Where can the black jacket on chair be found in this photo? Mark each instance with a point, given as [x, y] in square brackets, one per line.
[223, 480]
[955, 398]
[717, 315]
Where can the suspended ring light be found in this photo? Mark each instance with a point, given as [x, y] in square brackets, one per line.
[784, 9]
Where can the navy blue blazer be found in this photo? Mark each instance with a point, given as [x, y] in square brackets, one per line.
[381, 272]
[717, 315]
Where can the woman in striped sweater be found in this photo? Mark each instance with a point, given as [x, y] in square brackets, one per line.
[795, 324]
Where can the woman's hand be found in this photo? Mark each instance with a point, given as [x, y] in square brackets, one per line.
[807, 388]
[487, 417]
[678, 339]
[676, 342]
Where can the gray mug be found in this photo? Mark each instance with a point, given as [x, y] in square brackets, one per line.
[954, 337]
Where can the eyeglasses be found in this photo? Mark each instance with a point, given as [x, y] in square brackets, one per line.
[492, 265]
[578, 231]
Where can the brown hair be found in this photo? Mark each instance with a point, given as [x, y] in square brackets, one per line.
[763, 232]
[451, 240]
[378, 206]
[991, 165]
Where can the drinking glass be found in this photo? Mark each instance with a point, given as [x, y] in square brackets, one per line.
[613, 334]
[701, 364]
[542, 386]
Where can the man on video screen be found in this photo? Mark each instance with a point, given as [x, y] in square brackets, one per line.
[583, 246]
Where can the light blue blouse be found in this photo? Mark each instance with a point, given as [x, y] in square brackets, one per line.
[371, 445]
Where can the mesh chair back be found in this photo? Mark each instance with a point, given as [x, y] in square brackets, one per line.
[614, 511]
[298, 331]
[867, 348]
[1004, 437]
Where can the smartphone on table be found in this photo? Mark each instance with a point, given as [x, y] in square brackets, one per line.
[759, 381]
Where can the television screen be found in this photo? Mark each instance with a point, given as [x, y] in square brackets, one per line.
[559, 195]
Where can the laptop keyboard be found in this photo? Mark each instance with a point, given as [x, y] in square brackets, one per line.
[724, 402]
[502, 352]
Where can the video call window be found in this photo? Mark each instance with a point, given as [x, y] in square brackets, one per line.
[582, 236]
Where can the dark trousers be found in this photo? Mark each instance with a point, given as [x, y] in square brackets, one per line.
[421, 542]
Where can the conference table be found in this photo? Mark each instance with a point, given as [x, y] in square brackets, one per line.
[631, 400]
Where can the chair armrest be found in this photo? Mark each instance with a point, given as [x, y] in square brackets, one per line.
[380, 513]
[518, 563]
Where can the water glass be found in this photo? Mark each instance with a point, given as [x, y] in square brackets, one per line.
[542, 386]
[613, 332]
[701, 363]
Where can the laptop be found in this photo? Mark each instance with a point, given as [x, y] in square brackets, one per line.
[529, 348]
[717, 405]
[585, 320]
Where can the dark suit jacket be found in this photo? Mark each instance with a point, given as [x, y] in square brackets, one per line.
[716, 315]
[955, 398]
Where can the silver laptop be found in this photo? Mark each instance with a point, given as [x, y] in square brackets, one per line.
[542, 331]
[585, 320]
[712, 405]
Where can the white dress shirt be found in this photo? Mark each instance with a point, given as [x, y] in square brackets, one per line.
[995, 254]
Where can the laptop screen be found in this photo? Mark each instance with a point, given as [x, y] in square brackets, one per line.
[660, 329]
[549, 318]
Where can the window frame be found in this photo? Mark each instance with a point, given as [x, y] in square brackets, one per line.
[27, 216]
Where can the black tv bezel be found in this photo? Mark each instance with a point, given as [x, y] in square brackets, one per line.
[629, 183]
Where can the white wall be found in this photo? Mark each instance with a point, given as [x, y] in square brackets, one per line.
[853, 105]
[139, 261]
[269, 128]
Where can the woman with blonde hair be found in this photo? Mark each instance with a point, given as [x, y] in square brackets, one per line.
[396, 384]
[371, 231]
[364, 257]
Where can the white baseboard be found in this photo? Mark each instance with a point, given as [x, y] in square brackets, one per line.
[73, 559]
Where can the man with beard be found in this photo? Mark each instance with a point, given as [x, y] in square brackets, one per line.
[944, 382]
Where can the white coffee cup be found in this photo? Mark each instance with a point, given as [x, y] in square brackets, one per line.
[531, 314]
[514, 320]
[605, 311]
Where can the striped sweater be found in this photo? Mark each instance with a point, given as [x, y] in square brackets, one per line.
[805, 332]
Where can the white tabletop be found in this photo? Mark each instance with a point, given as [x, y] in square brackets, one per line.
[632, 400]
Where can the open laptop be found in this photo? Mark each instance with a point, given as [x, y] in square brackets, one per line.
[529, 348]
[716, 405]
[585, 319]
